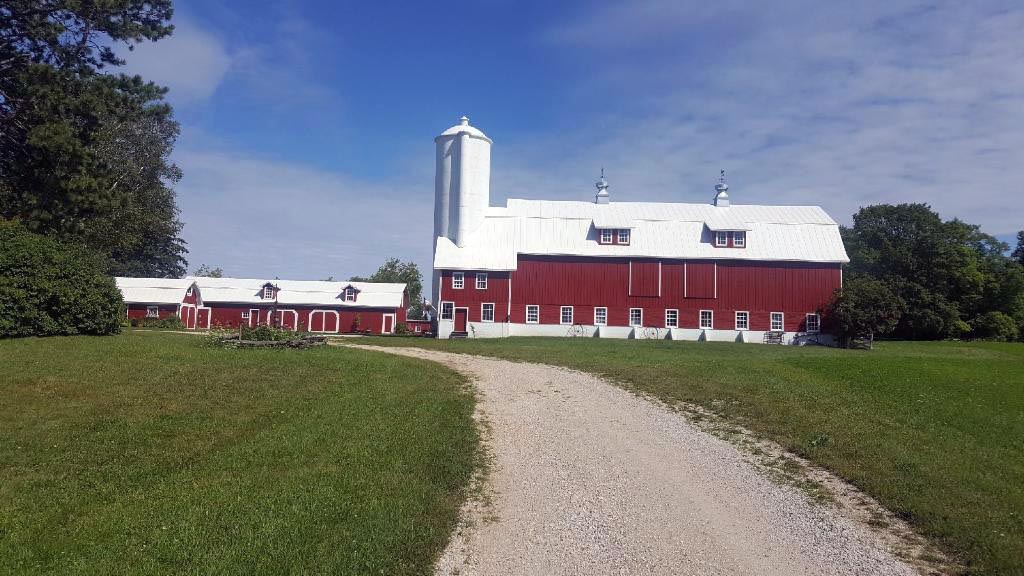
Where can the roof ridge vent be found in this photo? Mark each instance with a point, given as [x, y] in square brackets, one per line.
[721, 192]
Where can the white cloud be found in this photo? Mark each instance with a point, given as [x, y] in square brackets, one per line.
[192, 62]
[803, 103]
[262, 217]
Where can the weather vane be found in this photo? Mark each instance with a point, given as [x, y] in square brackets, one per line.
[721, 178]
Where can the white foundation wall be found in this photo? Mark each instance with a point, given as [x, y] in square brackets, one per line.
[501, 330]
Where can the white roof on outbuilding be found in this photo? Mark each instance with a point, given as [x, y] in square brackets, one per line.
[153, 290]
[659, 230]
[301, 292]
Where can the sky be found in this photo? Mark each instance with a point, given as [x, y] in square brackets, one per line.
[307, 126]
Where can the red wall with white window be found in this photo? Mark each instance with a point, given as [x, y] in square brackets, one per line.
[722, 286]
[469, 296]
[139, 310]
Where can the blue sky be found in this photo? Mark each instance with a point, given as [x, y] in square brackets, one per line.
[307, 127]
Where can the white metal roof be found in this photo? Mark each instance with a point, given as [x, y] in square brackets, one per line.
[660, 230]
[301, 292]
[153, 290]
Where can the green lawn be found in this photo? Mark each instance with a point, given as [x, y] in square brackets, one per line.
[934, 430]
[151, 453]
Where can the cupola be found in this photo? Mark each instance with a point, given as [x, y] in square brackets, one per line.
[721, 192]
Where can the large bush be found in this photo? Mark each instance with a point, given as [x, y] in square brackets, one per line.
[48, 288]
[863, 309]
[995, 326]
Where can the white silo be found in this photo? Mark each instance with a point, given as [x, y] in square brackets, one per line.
[462, 181]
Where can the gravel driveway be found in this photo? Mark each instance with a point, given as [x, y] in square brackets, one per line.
[588, 478]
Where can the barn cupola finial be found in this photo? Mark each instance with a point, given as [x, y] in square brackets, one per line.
[602, 189]
[721, 191]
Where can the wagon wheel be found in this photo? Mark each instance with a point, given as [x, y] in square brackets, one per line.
[576, 330]
[652, 333]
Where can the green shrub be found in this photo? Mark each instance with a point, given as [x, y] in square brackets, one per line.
[995, 326]
[266, 333]
[48, 288]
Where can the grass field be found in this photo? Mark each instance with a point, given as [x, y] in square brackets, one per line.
[150, 453]
[934, 430]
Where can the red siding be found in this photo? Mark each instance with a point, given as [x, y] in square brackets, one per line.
[700, 279]
[372, 319]
[551, 282]
[645, 278]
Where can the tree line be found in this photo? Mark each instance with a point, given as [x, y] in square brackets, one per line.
[85, 150]
[915, 276]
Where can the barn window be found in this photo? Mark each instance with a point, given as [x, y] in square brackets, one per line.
[636, 316]
[458, 280]
[268, 292]
[624, 236]
[606, 236]
[600, 316]
[566, 315]
[417, 328]
[813, 323]
[245, 314]
[532, 314]
[739, 239]
[447, 310]
[778, 323]
[743, 320]
[152, 311]
[481, 281]
[350, 294]
[189, 291]
[707, 319]
[671, 318]
[721, 238]
[487, 312]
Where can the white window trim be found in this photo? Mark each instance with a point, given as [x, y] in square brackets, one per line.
[536, 308]
[189, 291]
[736, 239]
[771, 322]
[480, 275]
[641, 321]
[737, 319]
[807, 321]
[268, 292]
[491, 304]
[675, 323]
[623, 236]
[607, 236]
[156, 311]
[721, 239]
[458, 280]
[561, 315]
[350, 295]
[700, 319]
[605, 321]
[441, 311]
[245, 314]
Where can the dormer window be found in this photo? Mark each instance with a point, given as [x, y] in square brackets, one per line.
[268, 292]
[606, 236]
[739, 239]
[350, 294]
[624, 236]
[721, 239]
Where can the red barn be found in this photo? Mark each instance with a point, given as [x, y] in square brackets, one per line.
[159, 298]
[305, 305]
[325, 307]
[713, 271]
